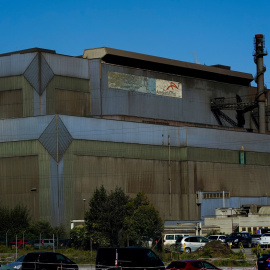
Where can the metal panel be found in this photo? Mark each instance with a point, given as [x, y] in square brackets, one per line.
[57, 193]
[133, 175]
[27, 163]
[95, 66]
[11, 104]
[226, 139]
[72, 102]
[23, 128]
[56, 138]
[121, 131]
[193, 107]
[39, 73]
[19, 82]
[18, 176]
[65, 83]
[67, 65]
[39, 103]
[131, 132]
[15, 64]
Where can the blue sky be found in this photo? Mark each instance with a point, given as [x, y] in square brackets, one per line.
[207, 31]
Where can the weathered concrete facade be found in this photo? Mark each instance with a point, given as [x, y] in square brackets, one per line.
[143, 123]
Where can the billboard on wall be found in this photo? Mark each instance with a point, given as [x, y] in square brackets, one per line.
[143, 84]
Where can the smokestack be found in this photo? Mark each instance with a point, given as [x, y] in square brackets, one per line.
[259, 78]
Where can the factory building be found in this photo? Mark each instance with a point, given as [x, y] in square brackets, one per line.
[191, 137]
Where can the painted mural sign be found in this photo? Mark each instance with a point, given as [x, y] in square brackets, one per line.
[143, 84]
[168, 88]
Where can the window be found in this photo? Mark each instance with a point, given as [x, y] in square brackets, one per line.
[208, 265]
[170, 237]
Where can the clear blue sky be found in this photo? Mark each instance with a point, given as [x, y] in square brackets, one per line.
[207, 31]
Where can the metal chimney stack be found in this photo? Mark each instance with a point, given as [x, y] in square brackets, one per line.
[259, 79]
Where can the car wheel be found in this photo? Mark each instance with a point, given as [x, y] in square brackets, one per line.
[187, 250]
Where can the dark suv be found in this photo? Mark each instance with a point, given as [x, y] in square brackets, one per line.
[238, 239]
[47, 261]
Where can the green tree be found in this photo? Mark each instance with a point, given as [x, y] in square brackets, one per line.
[14, 221]
[79, 236]
[39, 229]
[143, 222]
[104, 219]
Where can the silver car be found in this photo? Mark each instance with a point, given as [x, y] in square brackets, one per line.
[191, 243]
[264, 240]
[217, 238]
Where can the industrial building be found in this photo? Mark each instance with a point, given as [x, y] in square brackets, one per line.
[190, 136]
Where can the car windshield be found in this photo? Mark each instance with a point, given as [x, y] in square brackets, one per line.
[233, 235]
[213, 237]
[21, 258]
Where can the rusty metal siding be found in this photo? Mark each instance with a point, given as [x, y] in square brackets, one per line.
[16, 83]
[18, 176]
[72, 102]
[15, 64]
[65, 83]
[11, 104]
[67, 66]
[27, 163]
[133, 175]
[95, 87]
[194, 106]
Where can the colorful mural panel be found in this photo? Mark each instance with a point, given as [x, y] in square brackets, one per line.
[143, 84]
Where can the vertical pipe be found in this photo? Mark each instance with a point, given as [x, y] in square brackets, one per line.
[258, 57]
[170, 181]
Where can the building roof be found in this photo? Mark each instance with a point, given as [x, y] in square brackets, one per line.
[31, 50]
[143, 61]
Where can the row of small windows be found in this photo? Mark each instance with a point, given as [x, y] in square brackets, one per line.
[216, 195]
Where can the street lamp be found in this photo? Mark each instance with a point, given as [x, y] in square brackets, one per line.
[84, 206]
[34, 191]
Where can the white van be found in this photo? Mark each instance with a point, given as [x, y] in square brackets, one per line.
[170, 238]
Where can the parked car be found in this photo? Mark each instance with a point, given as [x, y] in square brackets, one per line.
[191, 264]
[20, 243]
[263, 262]
[190, 243]
[170, 238]
[217, 238]
[48, 261]
[238, 239]
[264, 240]
[17, 265]
[44, 243]
[127, 258]
[254, 239]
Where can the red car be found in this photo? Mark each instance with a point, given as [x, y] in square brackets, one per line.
[20, 243]
[191, 265]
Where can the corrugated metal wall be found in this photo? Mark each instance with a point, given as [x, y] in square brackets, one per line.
[194, 106]
[25, 165]
[74, 89]
[19, 97]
